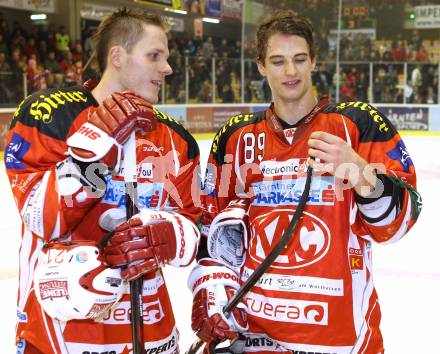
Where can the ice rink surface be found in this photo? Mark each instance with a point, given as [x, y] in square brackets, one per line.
[406, 274]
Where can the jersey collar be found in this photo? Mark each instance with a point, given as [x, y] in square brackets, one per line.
[275, 122]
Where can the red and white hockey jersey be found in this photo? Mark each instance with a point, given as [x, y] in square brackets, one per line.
[318, 296]
[167, 171]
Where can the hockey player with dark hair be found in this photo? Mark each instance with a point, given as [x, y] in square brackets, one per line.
[63, 157]
[318, 294]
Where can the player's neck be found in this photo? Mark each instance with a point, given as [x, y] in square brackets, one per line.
[292, 112]
[106, 87]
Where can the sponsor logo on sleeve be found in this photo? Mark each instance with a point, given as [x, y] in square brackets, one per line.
[21, 346]
[22, 316]
[356, 258]
[287, 310]
[208, 186]
[15, 152]
[400, 154]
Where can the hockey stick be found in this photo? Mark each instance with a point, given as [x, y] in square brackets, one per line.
[264, 266]
[130, 177]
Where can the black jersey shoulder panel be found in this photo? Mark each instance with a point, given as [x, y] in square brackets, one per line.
[193, 147]
[372, 124]
[235, 123]
[53, 111]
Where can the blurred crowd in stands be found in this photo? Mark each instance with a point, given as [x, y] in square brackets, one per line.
[208, 69]
[44, 56]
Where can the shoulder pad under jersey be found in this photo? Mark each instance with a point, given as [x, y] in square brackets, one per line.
[52, 111]
[372, 124]
[235, 123]
[193, 147]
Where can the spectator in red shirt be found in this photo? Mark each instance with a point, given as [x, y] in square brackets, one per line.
[348, 90]
[422, 55]
[30, 48]
[399, 51]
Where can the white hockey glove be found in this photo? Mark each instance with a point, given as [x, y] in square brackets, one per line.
[213, 285]
[228, 234]
[150, 240]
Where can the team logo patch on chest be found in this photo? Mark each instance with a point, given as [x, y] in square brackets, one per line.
[289, 133]
[310, 242]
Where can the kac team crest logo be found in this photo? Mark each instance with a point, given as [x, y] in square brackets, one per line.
[308, 245]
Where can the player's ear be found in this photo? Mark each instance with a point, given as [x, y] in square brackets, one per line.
[116, 56]
[314, 63]
[261, 68]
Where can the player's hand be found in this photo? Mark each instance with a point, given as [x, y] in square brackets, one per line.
[100, 138]
[149, 240]
[211, 294]
[141, 248]
[334, 155]
[228, 234]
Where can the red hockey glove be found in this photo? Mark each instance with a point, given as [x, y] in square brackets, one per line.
[150, 240]
[100, 139]
[213, 285]
[90, 84]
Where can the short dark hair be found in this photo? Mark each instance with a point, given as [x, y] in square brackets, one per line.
[284, 22]
[125, 28]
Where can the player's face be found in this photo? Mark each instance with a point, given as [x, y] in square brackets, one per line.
[288, 67]
[145, 67]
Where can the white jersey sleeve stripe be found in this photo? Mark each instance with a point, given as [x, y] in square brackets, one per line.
[32, 212]
[29, 251]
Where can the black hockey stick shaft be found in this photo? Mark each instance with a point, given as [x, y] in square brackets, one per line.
[137, 320]
[129, 171]
[264, 266]
[275, 252]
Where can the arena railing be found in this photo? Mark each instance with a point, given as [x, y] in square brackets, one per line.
[218, 80]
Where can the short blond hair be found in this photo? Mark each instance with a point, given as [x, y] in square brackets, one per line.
[125, 28]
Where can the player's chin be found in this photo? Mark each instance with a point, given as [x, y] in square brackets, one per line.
[150, 97]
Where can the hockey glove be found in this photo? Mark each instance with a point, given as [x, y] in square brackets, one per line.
[213, 285]
[228, 233]
[100, 138]
[151, 239]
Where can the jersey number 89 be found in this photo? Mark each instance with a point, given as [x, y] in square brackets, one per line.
[253, 147]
